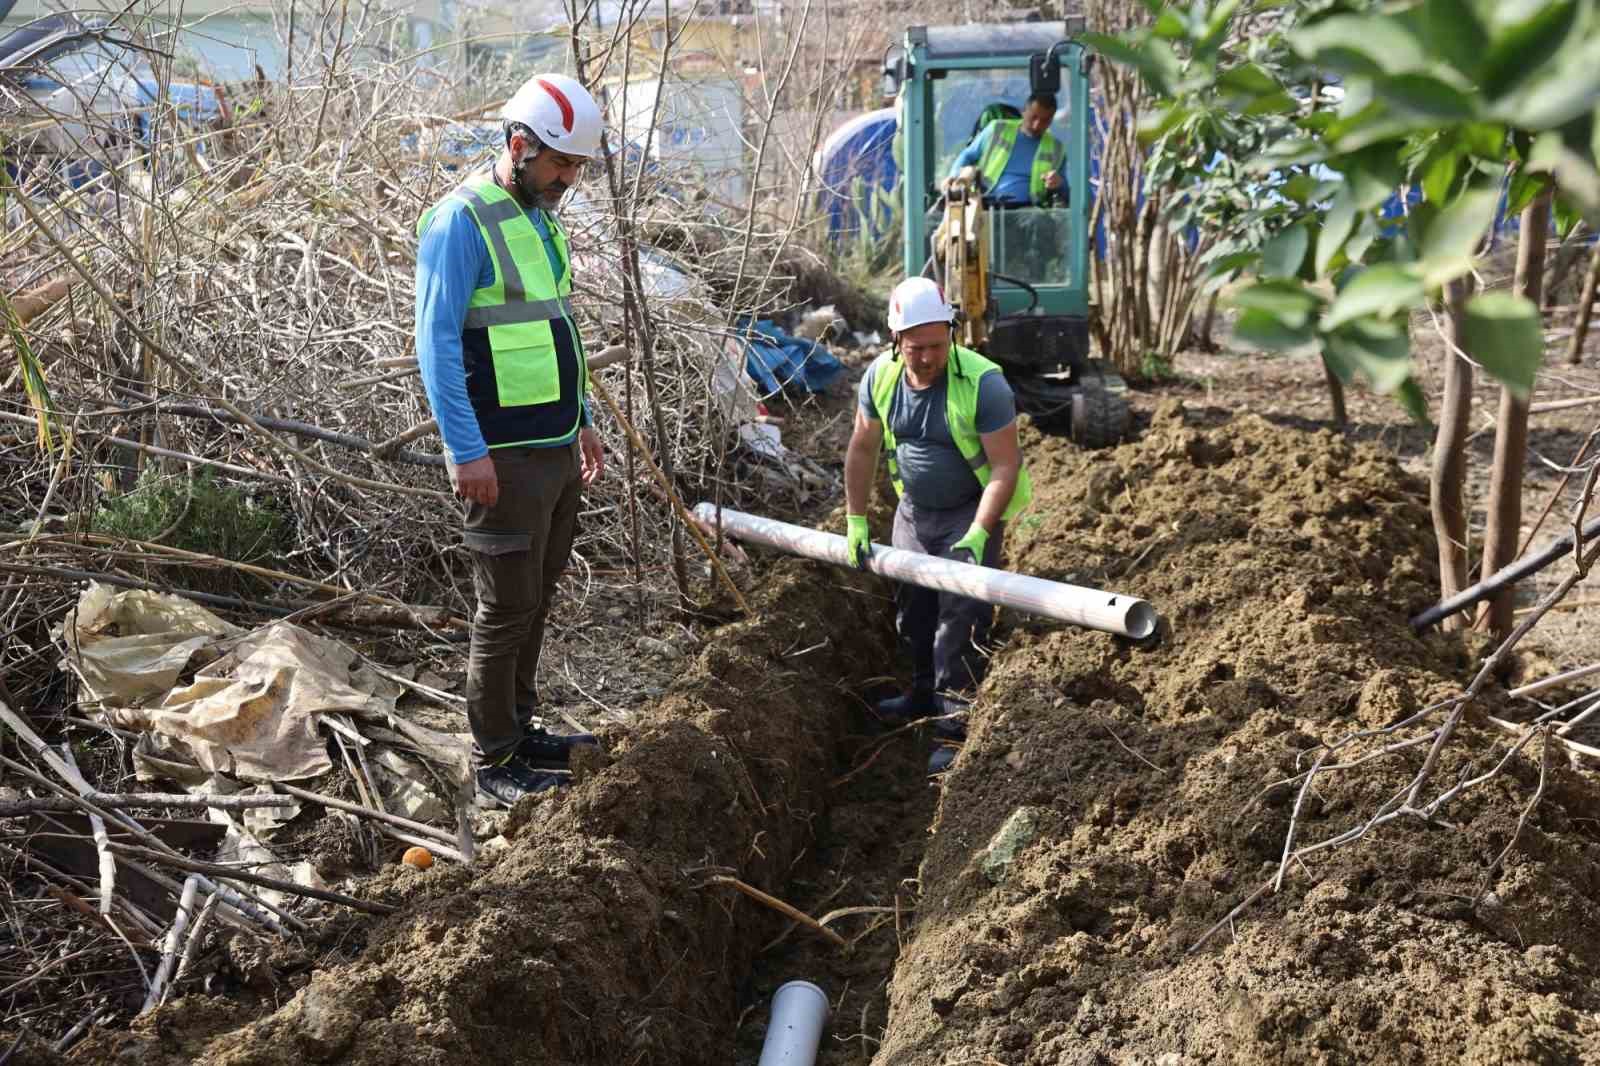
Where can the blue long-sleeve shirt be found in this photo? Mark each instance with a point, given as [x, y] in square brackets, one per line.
[452, 261]
[1014, 186]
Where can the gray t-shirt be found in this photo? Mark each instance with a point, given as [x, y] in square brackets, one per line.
[935, 473]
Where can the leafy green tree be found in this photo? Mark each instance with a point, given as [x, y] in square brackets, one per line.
[1458, 100]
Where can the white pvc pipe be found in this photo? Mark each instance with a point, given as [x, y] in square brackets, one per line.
[794, 1031]
[1109, 612]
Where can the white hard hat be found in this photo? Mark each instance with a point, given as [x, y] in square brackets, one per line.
[559, 111]
[916, 301]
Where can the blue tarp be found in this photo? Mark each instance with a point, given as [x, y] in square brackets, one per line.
[777, 361]
[858, 157]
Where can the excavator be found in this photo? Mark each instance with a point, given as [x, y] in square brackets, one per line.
[1018, 277]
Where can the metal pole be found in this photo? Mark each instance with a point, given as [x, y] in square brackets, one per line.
[1109, 612]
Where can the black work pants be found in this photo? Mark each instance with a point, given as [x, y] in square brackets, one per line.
[946, 635]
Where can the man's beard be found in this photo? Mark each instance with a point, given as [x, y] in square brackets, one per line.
[548, 196]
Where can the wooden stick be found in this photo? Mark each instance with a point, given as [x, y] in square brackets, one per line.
[666, 485]
[151, 449]
[122, 800]
[368, 812]
[1563, 405]
[1558, 679]
[792, 913]
[1519, 728]
[169, 953]
[233, 873]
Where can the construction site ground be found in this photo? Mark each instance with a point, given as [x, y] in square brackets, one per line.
[1285, 560]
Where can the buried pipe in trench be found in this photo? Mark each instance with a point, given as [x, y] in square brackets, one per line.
[794, 1031]
[1109, 612]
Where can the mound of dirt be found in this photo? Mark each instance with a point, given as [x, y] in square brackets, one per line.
[597, 936]
[1113, 804]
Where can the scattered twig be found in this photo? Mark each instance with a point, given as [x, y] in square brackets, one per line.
[780, 906]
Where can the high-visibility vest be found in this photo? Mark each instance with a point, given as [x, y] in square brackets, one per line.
[962, 373]
[525, 369]
[1045, 161]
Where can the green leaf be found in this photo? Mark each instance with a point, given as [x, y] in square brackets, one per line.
[1487, 140]
[1275, 104]
[1249, 78]
[1287, 301]
[1520, 48]
[1170, 26]
[1413, 399]
[1265, 331]
[1575, 174]
[1341, 219]
[1423, 96]
[1355, 248]
[1567, 216]
[1152, 58]
[1568, 88]
[1299, 188]
[1227, 264]
[1282, 256]
[1455, 32]
[1460, 226]
[1379, 351]
[1383, 290]
[1504, 335]
[1525, 185]
[1359, 46]
[1439, 175]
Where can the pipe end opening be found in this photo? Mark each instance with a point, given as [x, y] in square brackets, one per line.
[1141, 620]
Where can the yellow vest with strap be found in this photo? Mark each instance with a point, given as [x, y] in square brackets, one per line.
[525, 369]
[962, 373]
[1046, 159]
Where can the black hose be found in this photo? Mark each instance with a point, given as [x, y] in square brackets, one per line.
[1033, 293]
[1508, 576]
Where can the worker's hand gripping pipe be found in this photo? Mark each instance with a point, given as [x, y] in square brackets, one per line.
[1109, 612]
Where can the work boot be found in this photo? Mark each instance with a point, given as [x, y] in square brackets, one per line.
[943, 755]
[510, 779]
[907, 707]
[540, 747]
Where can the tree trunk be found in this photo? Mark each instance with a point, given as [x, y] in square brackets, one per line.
[1511, 434]
[1580, 325]
[1341, 418]
[1448, 478]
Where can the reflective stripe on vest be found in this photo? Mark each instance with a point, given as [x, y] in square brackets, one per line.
[962, 374]
[520, 346]
[1046, 159]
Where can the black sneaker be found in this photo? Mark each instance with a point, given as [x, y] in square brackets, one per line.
[540, 747]
[510, 780]
[943, 755]
[906, 707]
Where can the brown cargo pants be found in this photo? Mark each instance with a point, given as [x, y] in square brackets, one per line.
[519, 548]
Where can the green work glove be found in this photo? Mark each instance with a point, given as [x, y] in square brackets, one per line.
[858, 541]
[972, 546]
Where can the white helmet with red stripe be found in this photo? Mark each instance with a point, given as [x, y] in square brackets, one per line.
[559, 111]
[915, 302]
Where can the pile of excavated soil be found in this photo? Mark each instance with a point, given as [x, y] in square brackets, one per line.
[1286, 563]
[596, 936]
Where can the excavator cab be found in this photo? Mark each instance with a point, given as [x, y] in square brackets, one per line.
[1018, 276]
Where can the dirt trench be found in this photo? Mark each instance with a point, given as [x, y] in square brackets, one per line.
[1286, 563]
[594, 937]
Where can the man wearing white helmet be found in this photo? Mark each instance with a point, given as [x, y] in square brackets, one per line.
[504, 370]
[949, 422]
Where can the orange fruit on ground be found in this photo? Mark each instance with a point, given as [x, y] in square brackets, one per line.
[421, 858]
